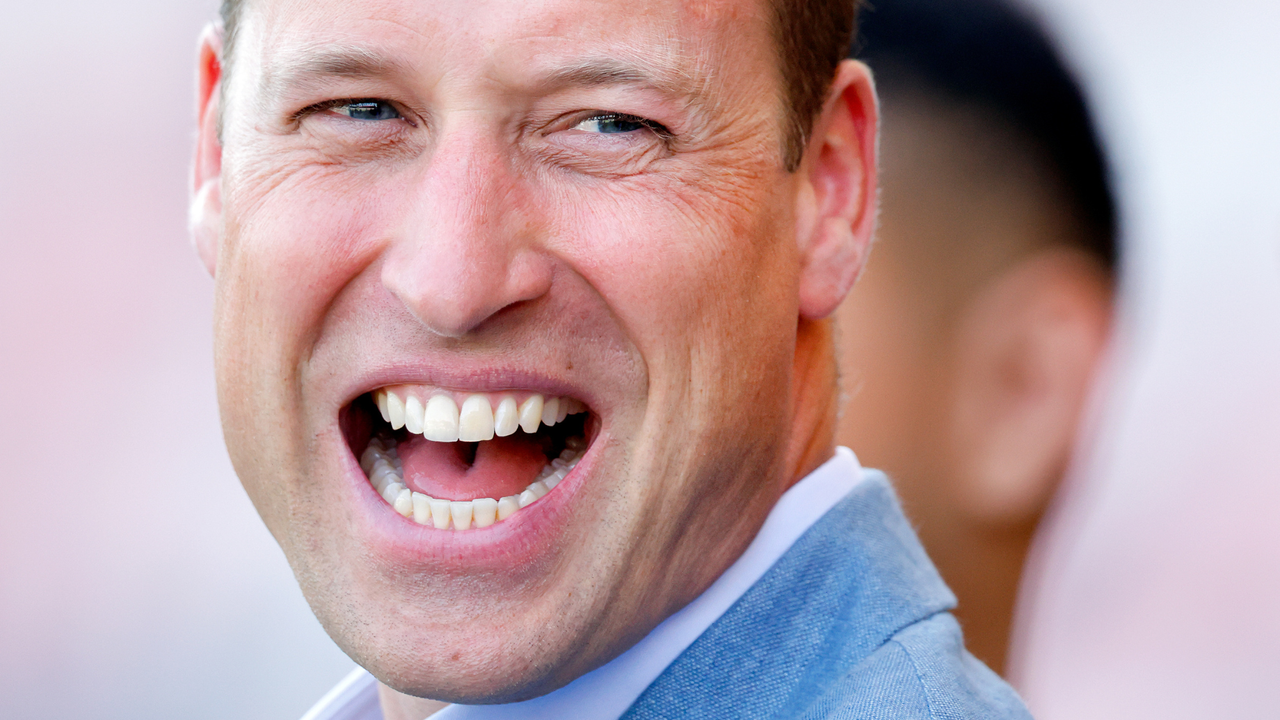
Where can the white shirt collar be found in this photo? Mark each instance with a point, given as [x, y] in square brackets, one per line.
[606, 692]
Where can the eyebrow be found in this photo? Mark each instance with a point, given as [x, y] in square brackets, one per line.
[313, 65]
[608, 71]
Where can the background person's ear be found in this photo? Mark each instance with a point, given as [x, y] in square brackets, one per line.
[836, 214]
[205, 213]
[1027, 349]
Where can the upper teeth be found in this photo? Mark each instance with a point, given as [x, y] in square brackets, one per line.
[481, 416]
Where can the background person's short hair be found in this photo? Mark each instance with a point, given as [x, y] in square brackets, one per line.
[993, 55]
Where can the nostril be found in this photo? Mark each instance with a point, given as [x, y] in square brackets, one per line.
[448, 309]
[453, 285]
[454, 310]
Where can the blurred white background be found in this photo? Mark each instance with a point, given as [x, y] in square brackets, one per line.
[137, 582]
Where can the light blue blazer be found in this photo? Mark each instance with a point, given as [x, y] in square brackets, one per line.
[852, 622]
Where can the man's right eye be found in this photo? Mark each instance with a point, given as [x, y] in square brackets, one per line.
[366, 109]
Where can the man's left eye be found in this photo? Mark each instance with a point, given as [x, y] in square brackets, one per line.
[615, 123]
[367, 110]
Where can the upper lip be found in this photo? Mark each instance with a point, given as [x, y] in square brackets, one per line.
[476, 378]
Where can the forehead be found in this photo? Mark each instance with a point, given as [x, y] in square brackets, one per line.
[689, 42]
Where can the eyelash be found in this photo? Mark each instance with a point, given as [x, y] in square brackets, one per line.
[339, 102]
[655, 127]
[658, 129]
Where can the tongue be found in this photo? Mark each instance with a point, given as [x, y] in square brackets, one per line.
[502, 467]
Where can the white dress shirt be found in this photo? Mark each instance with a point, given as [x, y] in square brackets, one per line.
[606, 692]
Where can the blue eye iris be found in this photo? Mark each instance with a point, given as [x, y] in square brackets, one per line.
[612, 124]
[368, 110]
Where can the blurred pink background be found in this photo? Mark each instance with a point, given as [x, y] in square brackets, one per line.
[137, 582]
[1154, 587]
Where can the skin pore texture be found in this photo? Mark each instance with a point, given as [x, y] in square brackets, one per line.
[548, 197]
[969, 347]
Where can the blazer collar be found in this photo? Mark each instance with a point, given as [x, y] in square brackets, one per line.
[852, 581]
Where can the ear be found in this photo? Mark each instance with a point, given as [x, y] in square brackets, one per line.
[205, 214]
[836, 209]
[1027, 350]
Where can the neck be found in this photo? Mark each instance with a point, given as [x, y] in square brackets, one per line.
[398, 706]
[817, 399]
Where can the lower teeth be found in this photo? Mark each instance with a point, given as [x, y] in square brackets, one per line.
[381, 464]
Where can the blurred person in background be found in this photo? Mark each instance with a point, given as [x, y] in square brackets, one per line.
[969, 346]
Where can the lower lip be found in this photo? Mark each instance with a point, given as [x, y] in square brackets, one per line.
[518, 541]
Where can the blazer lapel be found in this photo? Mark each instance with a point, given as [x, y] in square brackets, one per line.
[848, 584]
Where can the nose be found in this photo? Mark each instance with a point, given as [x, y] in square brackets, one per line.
[467, 247]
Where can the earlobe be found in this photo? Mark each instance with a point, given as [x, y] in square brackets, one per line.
[204, 222]
[836, 208]
[833, 263]
[205, 212]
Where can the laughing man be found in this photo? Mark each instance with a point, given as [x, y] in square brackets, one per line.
[523, 356]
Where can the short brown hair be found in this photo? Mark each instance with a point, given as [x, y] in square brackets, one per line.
[812, 37]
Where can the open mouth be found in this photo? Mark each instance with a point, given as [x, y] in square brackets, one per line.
[462, 461]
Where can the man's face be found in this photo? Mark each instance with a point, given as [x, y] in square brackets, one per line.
[503, 199]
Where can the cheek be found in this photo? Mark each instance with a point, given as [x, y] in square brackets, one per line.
[292, 243]
[688, 269]
[705, 291]
[294, 239]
